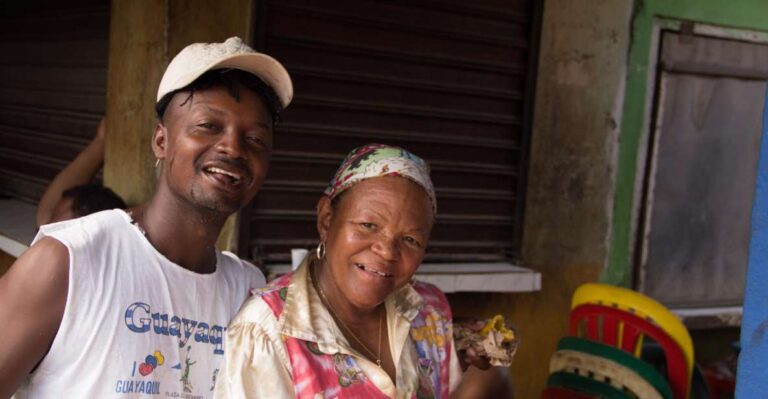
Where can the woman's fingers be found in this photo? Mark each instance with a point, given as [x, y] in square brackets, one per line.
[471, 357]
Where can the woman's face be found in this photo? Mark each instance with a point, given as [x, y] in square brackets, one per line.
[375, 238]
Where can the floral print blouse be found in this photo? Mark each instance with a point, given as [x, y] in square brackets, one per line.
[284, 343]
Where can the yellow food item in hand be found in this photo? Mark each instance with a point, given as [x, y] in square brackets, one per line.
[497, 324]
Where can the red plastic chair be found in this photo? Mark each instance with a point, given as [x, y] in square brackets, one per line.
[638, 304]
[626, 331]
[721, 387]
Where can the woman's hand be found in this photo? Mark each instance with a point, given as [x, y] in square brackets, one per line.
[470, 357]
[484, 343]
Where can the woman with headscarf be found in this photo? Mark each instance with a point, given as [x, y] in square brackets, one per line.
[351, 322]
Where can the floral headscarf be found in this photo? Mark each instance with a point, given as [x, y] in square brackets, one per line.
[376, 160]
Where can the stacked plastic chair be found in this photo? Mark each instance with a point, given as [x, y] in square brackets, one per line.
[601, 357]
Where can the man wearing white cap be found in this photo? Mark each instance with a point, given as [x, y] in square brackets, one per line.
[124, 304]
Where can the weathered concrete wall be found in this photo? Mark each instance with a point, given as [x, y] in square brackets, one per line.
[577, 111]
[144, 36]
[582, 69]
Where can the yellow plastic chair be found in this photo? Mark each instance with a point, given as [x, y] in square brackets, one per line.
[640, 305]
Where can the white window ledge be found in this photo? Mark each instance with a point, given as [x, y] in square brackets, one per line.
[714, 317]
[17, 226]
[468, 277]
[17, 229]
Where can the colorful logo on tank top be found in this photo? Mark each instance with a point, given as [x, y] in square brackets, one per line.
[153, 373]
[182, 369]
[143, 368]
[151, 362]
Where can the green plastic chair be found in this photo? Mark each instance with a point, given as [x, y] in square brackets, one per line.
[583, 356]
[586, 385]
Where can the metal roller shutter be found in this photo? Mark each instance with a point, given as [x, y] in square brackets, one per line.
[447, 80]
[53, 70]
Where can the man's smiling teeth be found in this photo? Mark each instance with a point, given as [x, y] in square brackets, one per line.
[235, 177]
[374, 271]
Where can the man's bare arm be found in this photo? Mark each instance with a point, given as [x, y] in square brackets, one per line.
[33, 294]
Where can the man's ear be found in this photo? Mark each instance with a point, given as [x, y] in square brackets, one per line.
[324, 216]
[159, 140]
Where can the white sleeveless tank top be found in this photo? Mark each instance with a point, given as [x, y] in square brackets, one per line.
[135, 324]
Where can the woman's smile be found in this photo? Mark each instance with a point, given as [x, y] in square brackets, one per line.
[374, 270]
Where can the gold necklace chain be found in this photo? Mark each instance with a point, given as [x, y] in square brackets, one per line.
[349, 330]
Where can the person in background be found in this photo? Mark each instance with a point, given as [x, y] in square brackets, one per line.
[84, 200]
[350, 322]
[135, 303]
[71, 193]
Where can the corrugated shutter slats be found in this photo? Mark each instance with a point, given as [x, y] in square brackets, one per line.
[444, 79]
[53, 69]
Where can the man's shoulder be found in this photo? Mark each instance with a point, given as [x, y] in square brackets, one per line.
[83, 227]
[240, 268]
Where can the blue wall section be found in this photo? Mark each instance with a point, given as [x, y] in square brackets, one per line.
[753, 360]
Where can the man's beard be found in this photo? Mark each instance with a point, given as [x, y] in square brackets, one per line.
[201, 198]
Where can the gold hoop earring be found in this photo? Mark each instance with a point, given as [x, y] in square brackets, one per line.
[320, 251]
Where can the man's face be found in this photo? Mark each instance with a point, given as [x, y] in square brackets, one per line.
[215, 149]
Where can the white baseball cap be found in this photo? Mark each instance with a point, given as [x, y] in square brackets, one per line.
[198, 58]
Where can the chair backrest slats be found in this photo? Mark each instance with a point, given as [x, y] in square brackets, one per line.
[610, 331]
[593, 327]
[634, 328]
[631, 339]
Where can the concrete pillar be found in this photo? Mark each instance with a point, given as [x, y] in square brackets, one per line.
[571, 176]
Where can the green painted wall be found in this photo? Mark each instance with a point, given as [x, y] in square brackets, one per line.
[737, 14]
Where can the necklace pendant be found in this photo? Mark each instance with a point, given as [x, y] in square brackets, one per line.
[378, 362]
